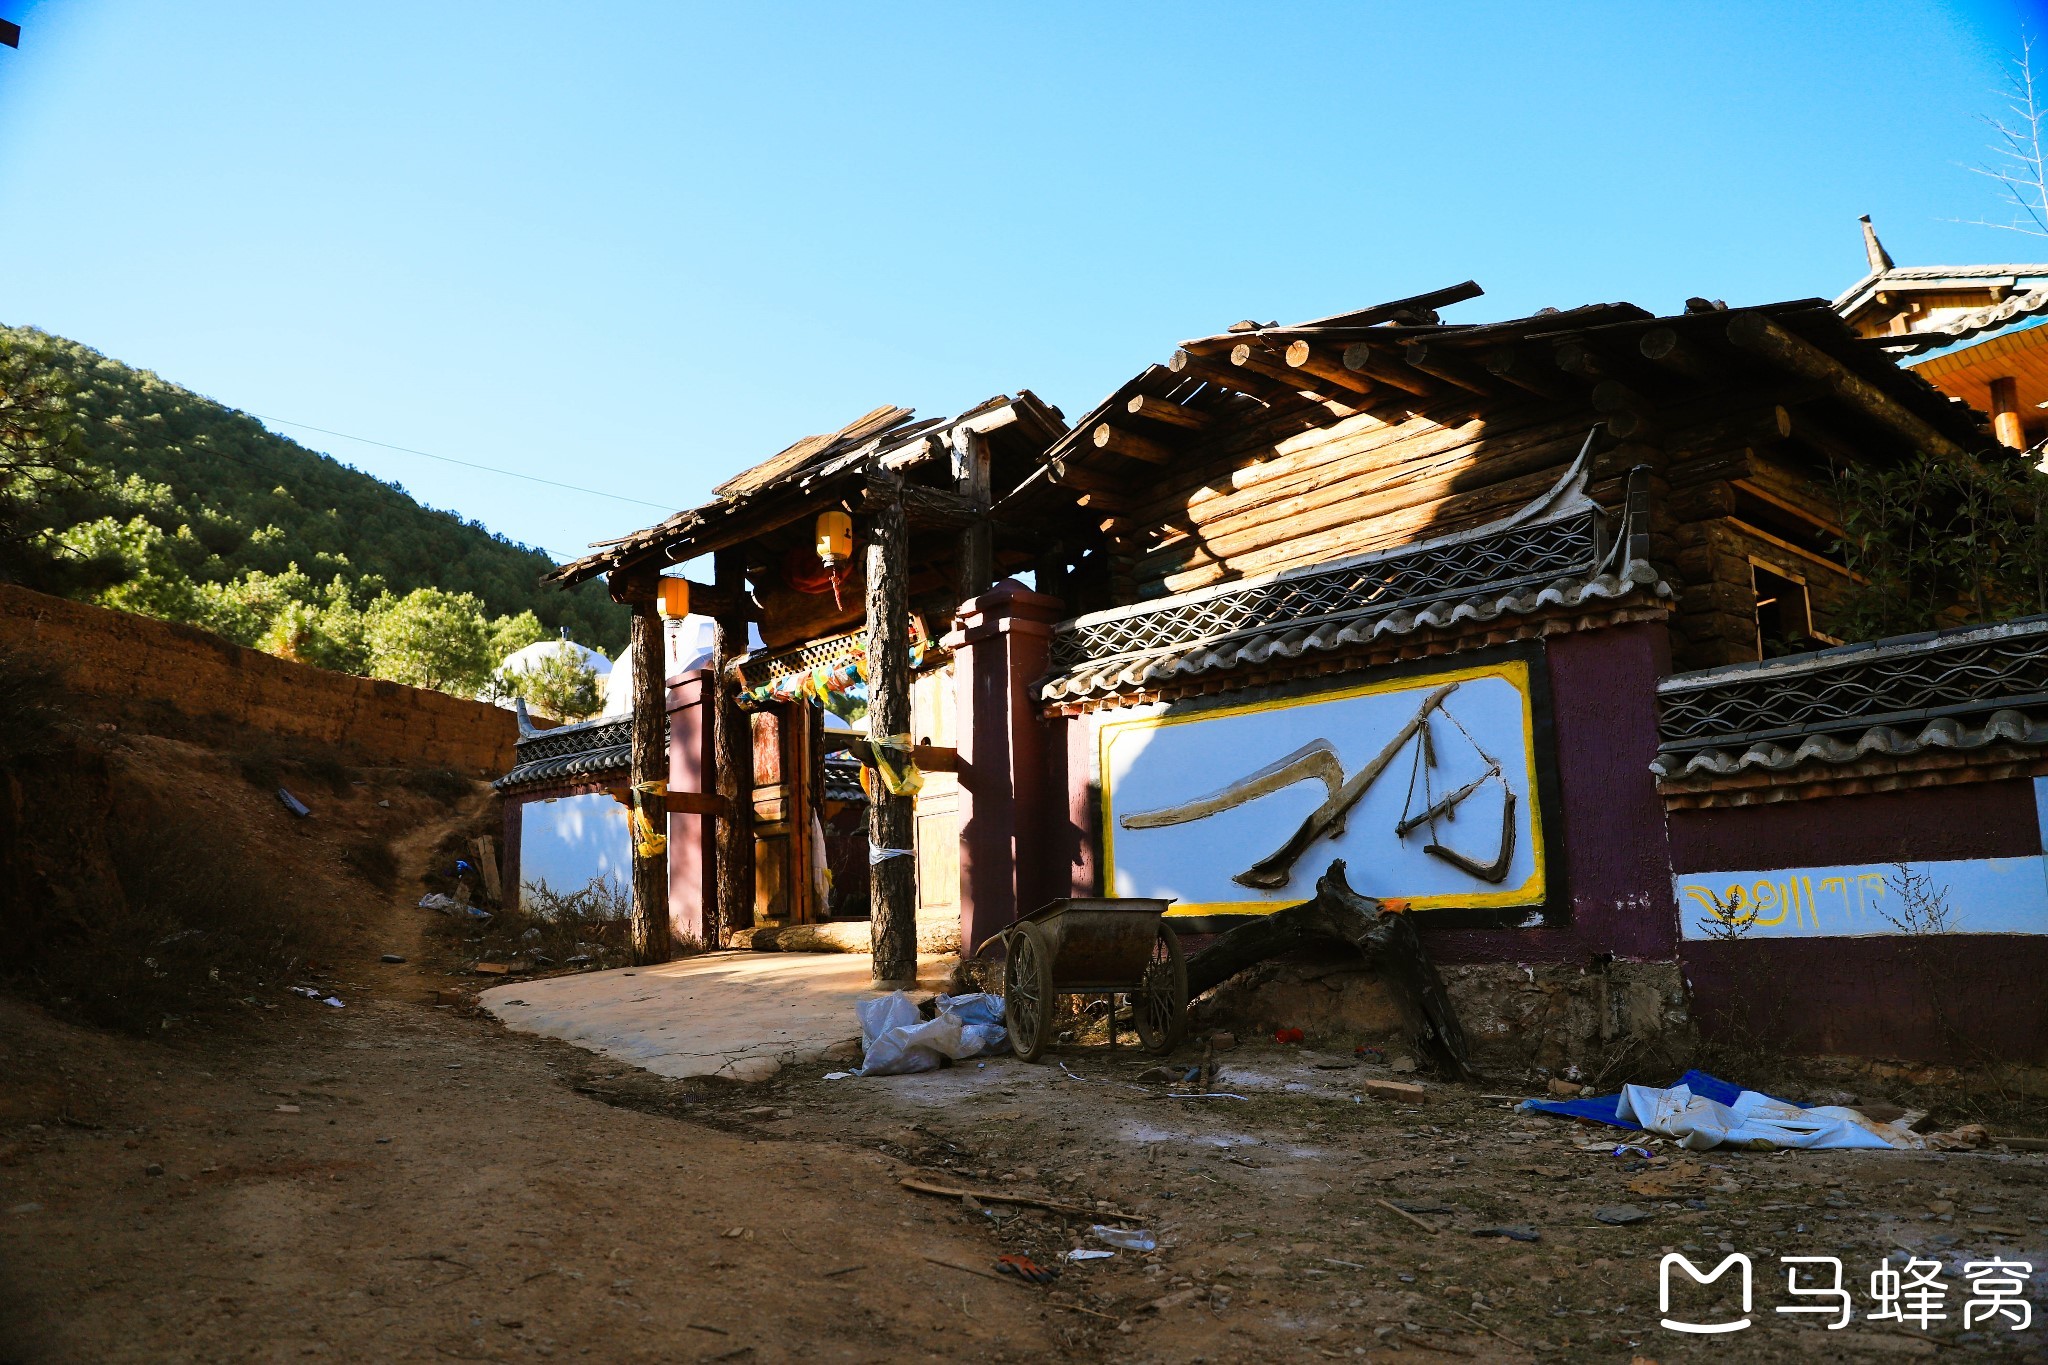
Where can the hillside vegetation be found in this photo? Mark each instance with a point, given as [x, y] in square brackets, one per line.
[120, 488]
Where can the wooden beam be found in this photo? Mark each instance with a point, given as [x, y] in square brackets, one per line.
[2005, 413]
[1118, 442]
[1577, 358]
[696, 803]
[732, 762]
[1327, 364]
[1068, 474]
[932, 758]
[649, 837]
[1757, 334]
[1435, 359]
[1663, 346]
[1302, 383]
[1361, 356]
[936, 758]
[1520, 367]
[1113, 504]
[1224, 375]
[892, 869]
[1167, 413]
[1611, 395]
[977, 537]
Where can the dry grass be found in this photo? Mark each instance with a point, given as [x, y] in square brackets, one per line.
[199, 927]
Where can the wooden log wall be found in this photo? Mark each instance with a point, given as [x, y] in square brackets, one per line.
[1263, 498]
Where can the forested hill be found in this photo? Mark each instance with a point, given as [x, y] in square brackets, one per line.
[197, 512]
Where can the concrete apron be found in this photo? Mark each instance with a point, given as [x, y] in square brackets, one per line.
[733, 1016]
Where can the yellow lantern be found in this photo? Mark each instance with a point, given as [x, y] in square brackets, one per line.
[835, 539]
[675, 597]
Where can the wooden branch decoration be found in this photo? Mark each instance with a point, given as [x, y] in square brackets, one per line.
[1388, 942]
[1276, 868]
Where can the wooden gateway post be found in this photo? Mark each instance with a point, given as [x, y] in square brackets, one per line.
[892, 866]
[732, 759]
[648, 832]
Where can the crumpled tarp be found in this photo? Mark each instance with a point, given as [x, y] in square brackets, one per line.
[1605, 1108]
[897, 1040]
[1704, 1111]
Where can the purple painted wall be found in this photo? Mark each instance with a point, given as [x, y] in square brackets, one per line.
[1972, 820]
[1603, 686]
[1954, 998]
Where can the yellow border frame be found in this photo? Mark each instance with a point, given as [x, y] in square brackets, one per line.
[1514, 672]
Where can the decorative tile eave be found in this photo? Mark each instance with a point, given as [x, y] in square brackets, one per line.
[1635, 593]
[1962, 705]
[1930, 767]
[2006, 726]
[612, 760]
[589, 748]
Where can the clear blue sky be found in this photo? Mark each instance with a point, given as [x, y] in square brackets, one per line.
[638, 247]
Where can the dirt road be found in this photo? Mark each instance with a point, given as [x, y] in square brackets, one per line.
[395, 1181]
[389, 1184]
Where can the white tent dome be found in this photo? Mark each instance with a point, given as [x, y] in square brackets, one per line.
[688, 642]
[527, 659]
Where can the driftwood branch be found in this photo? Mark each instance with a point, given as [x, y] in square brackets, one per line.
[1387, 942]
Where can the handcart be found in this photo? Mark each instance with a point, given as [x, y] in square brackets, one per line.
[1081, 945]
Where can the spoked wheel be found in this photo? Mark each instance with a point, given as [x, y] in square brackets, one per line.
[1160, 1003]
[1027, 990]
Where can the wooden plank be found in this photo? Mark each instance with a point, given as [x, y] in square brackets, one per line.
[696, 803]
[797, 765]
[487, 864]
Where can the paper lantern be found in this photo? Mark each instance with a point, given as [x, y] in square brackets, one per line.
[835, 539]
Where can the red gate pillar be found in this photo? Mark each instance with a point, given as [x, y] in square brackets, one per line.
[1000, 643]
[692, 839]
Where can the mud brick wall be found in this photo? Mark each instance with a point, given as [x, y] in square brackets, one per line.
[129, 659]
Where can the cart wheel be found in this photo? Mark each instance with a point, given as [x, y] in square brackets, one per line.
[1027, 990]
[1161, 1002]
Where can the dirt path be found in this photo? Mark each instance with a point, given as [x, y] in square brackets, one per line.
[390, 1181]
[399, 1181]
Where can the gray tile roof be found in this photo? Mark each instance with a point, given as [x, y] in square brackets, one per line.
[1960, 690]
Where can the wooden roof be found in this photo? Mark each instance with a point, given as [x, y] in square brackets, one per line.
[820, 471]
[1614, 357]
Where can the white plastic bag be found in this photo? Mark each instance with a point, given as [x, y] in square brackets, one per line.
[895, 1041]
[981, 1022]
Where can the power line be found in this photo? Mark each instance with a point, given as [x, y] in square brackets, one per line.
[466, 464]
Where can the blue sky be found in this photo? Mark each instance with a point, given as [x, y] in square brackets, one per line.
[637, 247]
